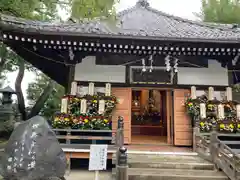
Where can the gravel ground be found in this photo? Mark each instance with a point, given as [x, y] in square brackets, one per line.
[88, 175]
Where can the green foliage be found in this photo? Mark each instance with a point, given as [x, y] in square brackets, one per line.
[30, 9]
[89, 9]
[221, 11]
[35, 90]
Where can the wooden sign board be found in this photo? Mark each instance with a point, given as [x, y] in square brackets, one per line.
[157, 76]
[98, 157]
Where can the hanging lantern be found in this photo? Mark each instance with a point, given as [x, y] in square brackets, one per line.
[203, 111]
[229, 93]
[221, 111]
[193, 92]
[210, 93]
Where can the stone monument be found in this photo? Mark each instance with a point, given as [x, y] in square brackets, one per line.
[33, 153]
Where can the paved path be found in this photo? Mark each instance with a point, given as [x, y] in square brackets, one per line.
[87, 175]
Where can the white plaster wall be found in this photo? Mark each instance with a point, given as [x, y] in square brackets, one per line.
[89, 71]
[213, 75]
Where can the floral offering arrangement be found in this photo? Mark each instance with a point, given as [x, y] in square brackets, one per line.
[192, 107]
[206, 125]
[227, 125]
[96, 115]
[230, 109]
[219, 115]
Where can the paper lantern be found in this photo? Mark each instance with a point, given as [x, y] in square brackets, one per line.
[83, 106]
[64, 105]
[229, 93]
[101, 107]
[193, 92]
[108, 89]
[238, 110]
[91, 89]
[210, 93]
[221, 111]
[203, 110]
[74, 88]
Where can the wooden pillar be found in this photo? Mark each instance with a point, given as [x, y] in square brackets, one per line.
[71, 74]
[144, 99]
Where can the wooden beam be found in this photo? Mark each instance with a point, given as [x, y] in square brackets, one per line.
[166, 86]
[56, 71]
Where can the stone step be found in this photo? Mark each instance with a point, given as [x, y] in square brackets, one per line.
[168, 162]
[173, 174]
[163, 158]
[171, 165]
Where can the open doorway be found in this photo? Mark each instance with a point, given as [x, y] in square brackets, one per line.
[149, 122]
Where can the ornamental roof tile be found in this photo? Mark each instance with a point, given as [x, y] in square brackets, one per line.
[140, 20]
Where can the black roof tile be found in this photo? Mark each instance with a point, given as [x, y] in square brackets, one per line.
[140, 20]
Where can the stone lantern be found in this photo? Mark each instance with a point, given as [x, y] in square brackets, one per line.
[7, 114]
[7, 93]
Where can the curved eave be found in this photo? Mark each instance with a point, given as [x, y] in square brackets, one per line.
[119, 44]
[7, 28]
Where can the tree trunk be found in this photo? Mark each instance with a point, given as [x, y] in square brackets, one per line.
[42, 99]
[18, 88]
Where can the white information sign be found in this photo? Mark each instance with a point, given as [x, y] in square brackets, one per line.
[98, 157]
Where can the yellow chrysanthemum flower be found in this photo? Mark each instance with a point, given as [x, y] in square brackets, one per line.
[105, 120]
[66, 119]
[222, 126]
[86, 120]
[231, 126]
[201, 123]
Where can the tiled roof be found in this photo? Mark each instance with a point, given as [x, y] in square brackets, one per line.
[140, 20]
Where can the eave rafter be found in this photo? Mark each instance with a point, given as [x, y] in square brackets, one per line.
[125, 46]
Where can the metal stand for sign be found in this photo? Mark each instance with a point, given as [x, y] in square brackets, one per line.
[96, 175]
[98, 159]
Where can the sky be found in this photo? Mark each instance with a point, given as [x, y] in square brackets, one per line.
[181, 8]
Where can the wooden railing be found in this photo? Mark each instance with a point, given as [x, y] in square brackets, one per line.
[225, 158]
[65, 136]
[211, 148]
[201, 144]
